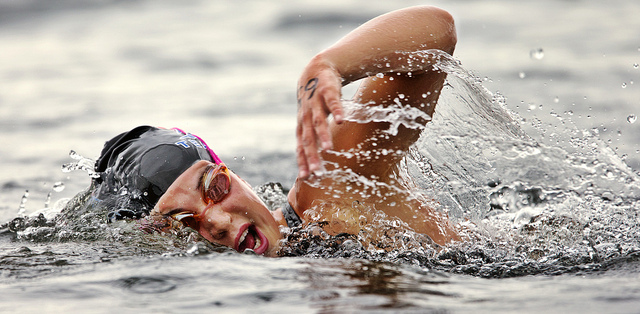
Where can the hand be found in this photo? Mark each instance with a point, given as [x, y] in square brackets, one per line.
[319, 90]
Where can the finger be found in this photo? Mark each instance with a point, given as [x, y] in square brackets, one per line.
[334, 105]
[321, 127]
[330, 93]
[303, 166]
[309, 143]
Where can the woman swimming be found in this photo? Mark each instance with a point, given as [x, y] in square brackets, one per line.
[170, 173]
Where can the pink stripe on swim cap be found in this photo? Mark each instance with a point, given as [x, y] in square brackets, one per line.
[213, 155]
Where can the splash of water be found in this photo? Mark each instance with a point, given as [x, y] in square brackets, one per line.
[523, 207]
[396, 114]
[57, 187]
[81, 163]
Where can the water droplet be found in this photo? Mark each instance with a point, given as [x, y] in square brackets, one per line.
[380, 75]
[635, 66]
[632, 118]
[536, 54]
[556, 100]
[58, 186]
[624, 85]
[48, 200]
[401, 96]
[23, 203]
[522, 75]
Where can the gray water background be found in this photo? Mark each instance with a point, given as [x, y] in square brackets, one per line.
[74, 73]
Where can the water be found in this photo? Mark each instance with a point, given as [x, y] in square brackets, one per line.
[544, 165]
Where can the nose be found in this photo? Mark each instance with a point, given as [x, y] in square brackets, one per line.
[217, 224]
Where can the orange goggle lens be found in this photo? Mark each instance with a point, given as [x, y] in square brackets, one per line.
[215, 183]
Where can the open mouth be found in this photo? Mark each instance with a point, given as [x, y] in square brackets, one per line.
[250, 238]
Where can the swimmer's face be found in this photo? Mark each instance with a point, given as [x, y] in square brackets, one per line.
[240, 220]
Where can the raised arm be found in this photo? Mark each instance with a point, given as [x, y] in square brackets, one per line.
[378, 46]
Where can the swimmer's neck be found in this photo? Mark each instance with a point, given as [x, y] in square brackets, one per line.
[279, 217]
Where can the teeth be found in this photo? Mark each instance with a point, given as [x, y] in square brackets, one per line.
[257, 243]
[244, 235]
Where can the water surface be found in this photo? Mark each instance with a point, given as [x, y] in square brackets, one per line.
[543, 163]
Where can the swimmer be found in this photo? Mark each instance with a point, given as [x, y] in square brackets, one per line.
[173, 174]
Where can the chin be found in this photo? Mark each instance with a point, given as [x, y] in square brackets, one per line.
[274, 245]
[271, 252]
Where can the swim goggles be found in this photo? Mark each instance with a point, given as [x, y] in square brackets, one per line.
[214, 185]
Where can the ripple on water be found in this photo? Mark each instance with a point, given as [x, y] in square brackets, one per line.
[147, 284]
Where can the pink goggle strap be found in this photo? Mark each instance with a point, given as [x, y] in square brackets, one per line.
[213, 155]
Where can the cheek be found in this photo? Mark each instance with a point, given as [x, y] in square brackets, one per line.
[206, 234]
[241, 196]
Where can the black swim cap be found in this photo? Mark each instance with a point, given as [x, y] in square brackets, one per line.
[141, 164]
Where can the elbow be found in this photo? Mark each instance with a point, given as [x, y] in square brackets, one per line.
[439, 28]
[450, 37]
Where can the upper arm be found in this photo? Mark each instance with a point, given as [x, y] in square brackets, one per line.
[374, 152]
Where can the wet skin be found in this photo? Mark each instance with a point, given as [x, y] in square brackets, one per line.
[240, 221]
